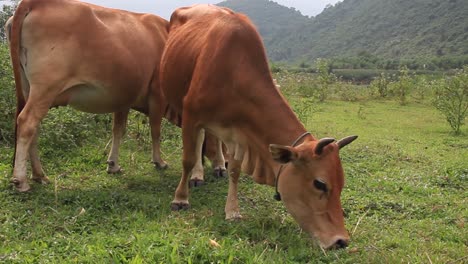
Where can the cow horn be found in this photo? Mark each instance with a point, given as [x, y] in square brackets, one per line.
[345, 141]
[323, 143]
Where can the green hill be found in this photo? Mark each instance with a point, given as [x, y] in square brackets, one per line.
[389, 29]
[274, 22]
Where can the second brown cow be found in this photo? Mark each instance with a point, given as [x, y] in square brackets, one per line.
[214, 71]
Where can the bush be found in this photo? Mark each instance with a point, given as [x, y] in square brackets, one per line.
[403, 86]
[451, 99]
[350, 92]
[65, 128]
[325, 78]
[304, 109]
[7, 97]
[380, 84]
[275, 68]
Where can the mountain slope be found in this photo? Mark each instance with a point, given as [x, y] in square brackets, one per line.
[385, 28]
[274, 22]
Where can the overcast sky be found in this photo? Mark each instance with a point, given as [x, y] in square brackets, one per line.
[165, 8]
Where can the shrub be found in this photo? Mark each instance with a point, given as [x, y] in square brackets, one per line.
[65, 128]
[451, 99]
[420, 88]
[7, 96]
[380, 84]
[304, 108]
[349, 92]
[325, 78]
[403, 86]
[275, 68]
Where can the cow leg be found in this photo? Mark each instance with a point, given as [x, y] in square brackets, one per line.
[190, 137]
[197, 178]
[232, 204]
[38, 174]
[27, 128]
[236, 156]
[155, 119]
[118, 130]
[219, 164]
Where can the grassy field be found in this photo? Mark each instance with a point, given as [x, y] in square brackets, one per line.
[405, 198]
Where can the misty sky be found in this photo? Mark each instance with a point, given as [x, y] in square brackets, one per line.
[165, 8]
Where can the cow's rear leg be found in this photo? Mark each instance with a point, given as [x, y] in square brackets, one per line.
[27, 128]
[219, 163]
[38, 174]
[118, 130]
[214, 151]
[197, 178]
[155, 119]
[190, 135]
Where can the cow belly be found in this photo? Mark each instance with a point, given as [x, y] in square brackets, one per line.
[231, 138]
[94, 99]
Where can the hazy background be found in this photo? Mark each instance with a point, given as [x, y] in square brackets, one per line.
[165, 8]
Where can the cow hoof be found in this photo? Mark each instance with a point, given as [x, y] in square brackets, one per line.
[20, 186]
[196, 183]
[220, 173]
[160, 166]
[114, 170]
[42, 180]
[233, 216]
[179, 206]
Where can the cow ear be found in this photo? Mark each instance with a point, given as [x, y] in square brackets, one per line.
[283, 154]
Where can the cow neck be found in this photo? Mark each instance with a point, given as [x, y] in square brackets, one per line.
[276, 120]
[276, 124]
[284, 127]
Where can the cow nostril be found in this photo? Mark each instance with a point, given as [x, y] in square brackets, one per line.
[341, 243]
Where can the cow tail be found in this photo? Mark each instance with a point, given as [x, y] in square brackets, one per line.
[15, 46]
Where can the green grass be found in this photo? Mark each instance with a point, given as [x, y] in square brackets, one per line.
[405, 199]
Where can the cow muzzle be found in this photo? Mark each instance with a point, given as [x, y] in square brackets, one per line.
[337, 243]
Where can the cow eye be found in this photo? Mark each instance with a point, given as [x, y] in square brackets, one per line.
[320, 185]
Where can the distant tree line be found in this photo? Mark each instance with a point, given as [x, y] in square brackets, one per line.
[366, 60]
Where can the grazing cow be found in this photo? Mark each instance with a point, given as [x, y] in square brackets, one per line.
[214, 70]
[95, 59]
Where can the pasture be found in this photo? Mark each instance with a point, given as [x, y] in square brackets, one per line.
[405, 197]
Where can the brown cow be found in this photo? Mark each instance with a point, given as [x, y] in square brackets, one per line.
[95, 59]
[214, 70]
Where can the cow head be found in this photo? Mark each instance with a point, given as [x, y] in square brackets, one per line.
[310, 186]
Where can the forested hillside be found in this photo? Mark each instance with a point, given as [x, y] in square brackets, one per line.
[390, 29]
[275, 23]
